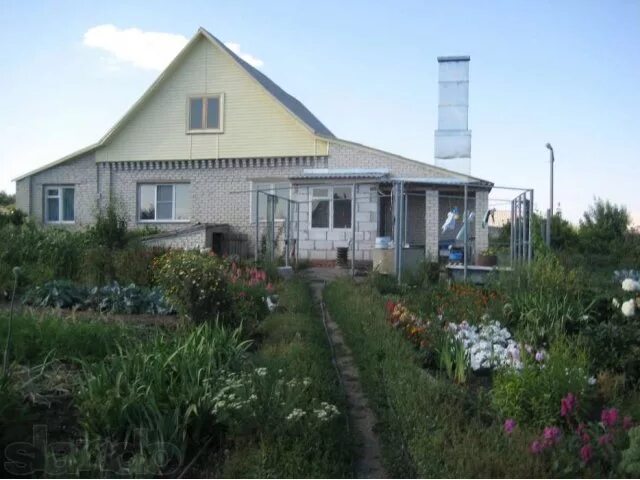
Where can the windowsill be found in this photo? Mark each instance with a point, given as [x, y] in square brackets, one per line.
[327, 229]
[163, 221]
[276, 220]
[62, 222]
[201, 131]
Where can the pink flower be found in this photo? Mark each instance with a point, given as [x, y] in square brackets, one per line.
[567, 405]
[605, 439]
[509, 425]
[627, 422]
[551, 435]
[609, 417]
[586, 453]
[536, 447]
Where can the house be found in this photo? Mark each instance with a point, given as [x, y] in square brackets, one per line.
[191, 155]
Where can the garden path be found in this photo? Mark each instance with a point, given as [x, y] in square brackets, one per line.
[368, 458]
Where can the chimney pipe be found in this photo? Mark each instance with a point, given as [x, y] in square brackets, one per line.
[452, 143]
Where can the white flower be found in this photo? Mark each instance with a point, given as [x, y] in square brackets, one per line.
[296, 414]
[616, 303]
[629, 308]
[591, 380]
[630, 285]
[261, 371]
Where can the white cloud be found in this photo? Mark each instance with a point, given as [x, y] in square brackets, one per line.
[146, 50]
[247, 57]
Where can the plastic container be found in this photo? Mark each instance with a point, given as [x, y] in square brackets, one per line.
[383, 242]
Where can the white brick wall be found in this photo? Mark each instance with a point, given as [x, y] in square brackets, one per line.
[481, 233]
[81, 173]
[432, 227]
[188, 241]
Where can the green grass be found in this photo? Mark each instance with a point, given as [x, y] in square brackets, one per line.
[429, 427]
[39, 336]
[294, 341]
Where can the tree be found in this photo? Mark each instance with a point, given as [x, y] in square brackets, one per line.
[603, 228]
[7, 199]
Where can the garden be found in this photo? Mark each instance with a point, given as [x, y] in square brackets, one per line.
[533, 374]
[119, 360]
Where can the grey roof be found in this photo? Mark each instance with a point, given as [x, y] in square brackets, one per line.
[341, 173]
[291, 103]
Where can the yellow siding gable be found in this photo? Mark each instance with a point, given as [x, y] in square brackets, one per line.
[255, 124]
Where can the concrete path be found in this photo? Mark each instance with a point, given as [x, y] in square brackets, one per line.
[362, 420]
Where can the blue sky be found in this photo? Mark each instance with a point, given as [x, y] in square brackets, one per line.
[565, 72]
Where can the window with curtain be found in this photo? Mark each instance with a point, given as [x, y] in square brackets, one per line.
[205, 113]
[331, 207]
[59, 205]
[165, 202]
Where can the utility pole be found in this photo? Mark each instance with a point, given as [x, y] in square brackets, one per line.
[550, 211]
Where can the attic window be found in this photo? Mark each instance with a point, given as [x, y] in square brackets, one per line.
[205, 114]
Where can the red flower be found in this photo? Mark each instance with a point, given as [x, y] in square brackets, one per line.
[605, 439]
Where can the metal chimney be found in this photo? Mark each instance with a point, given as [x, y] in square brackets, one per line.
[453, 137]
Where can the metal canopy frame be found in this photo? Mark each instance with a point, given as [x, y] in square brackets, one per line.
[292, 233]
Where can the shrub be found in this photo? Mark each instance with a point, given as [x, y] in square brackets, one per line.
[110, 226]
[532, 395]
[194, 282]
[134, 264]
[630, 464]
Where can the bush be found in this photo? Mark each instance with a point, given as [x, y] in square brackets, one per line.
[134, 264]
[630, 464]
[110, 227]
[196, 283]
[532, 395]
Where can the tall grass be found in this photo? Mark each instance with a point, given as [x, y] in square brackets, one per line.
[158, 398]
[38, 336]
[294, 346]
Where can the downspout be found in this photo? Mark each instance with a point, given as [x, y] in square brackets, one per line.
[353, 230]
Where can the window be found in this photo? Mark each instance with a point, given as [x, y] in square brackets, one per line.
[205, 114]
[280, 190]
[331, 206]
[59, 204]
[164, 202]
[320, 207]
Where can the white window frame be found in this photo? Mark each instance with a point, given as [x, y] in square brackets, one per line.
[271, 189]
[155, 196]
[60, 198]
[204, 97]
[331, 199]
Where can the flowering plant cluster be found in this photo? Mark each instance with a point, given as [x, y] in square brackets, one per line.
[415, 329]
[251, 293]
[593, 444]
[488, 346]
[463, 301]
[265, 399]
[195, 283]
[628, 307]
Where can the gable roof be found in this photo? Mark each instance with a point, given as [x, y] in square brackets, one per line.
[288, 102]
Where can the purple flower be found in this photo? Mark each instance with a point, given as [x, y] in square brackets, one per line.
[540, 355]
[536, 447]
[586, 453]
[509, 425]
